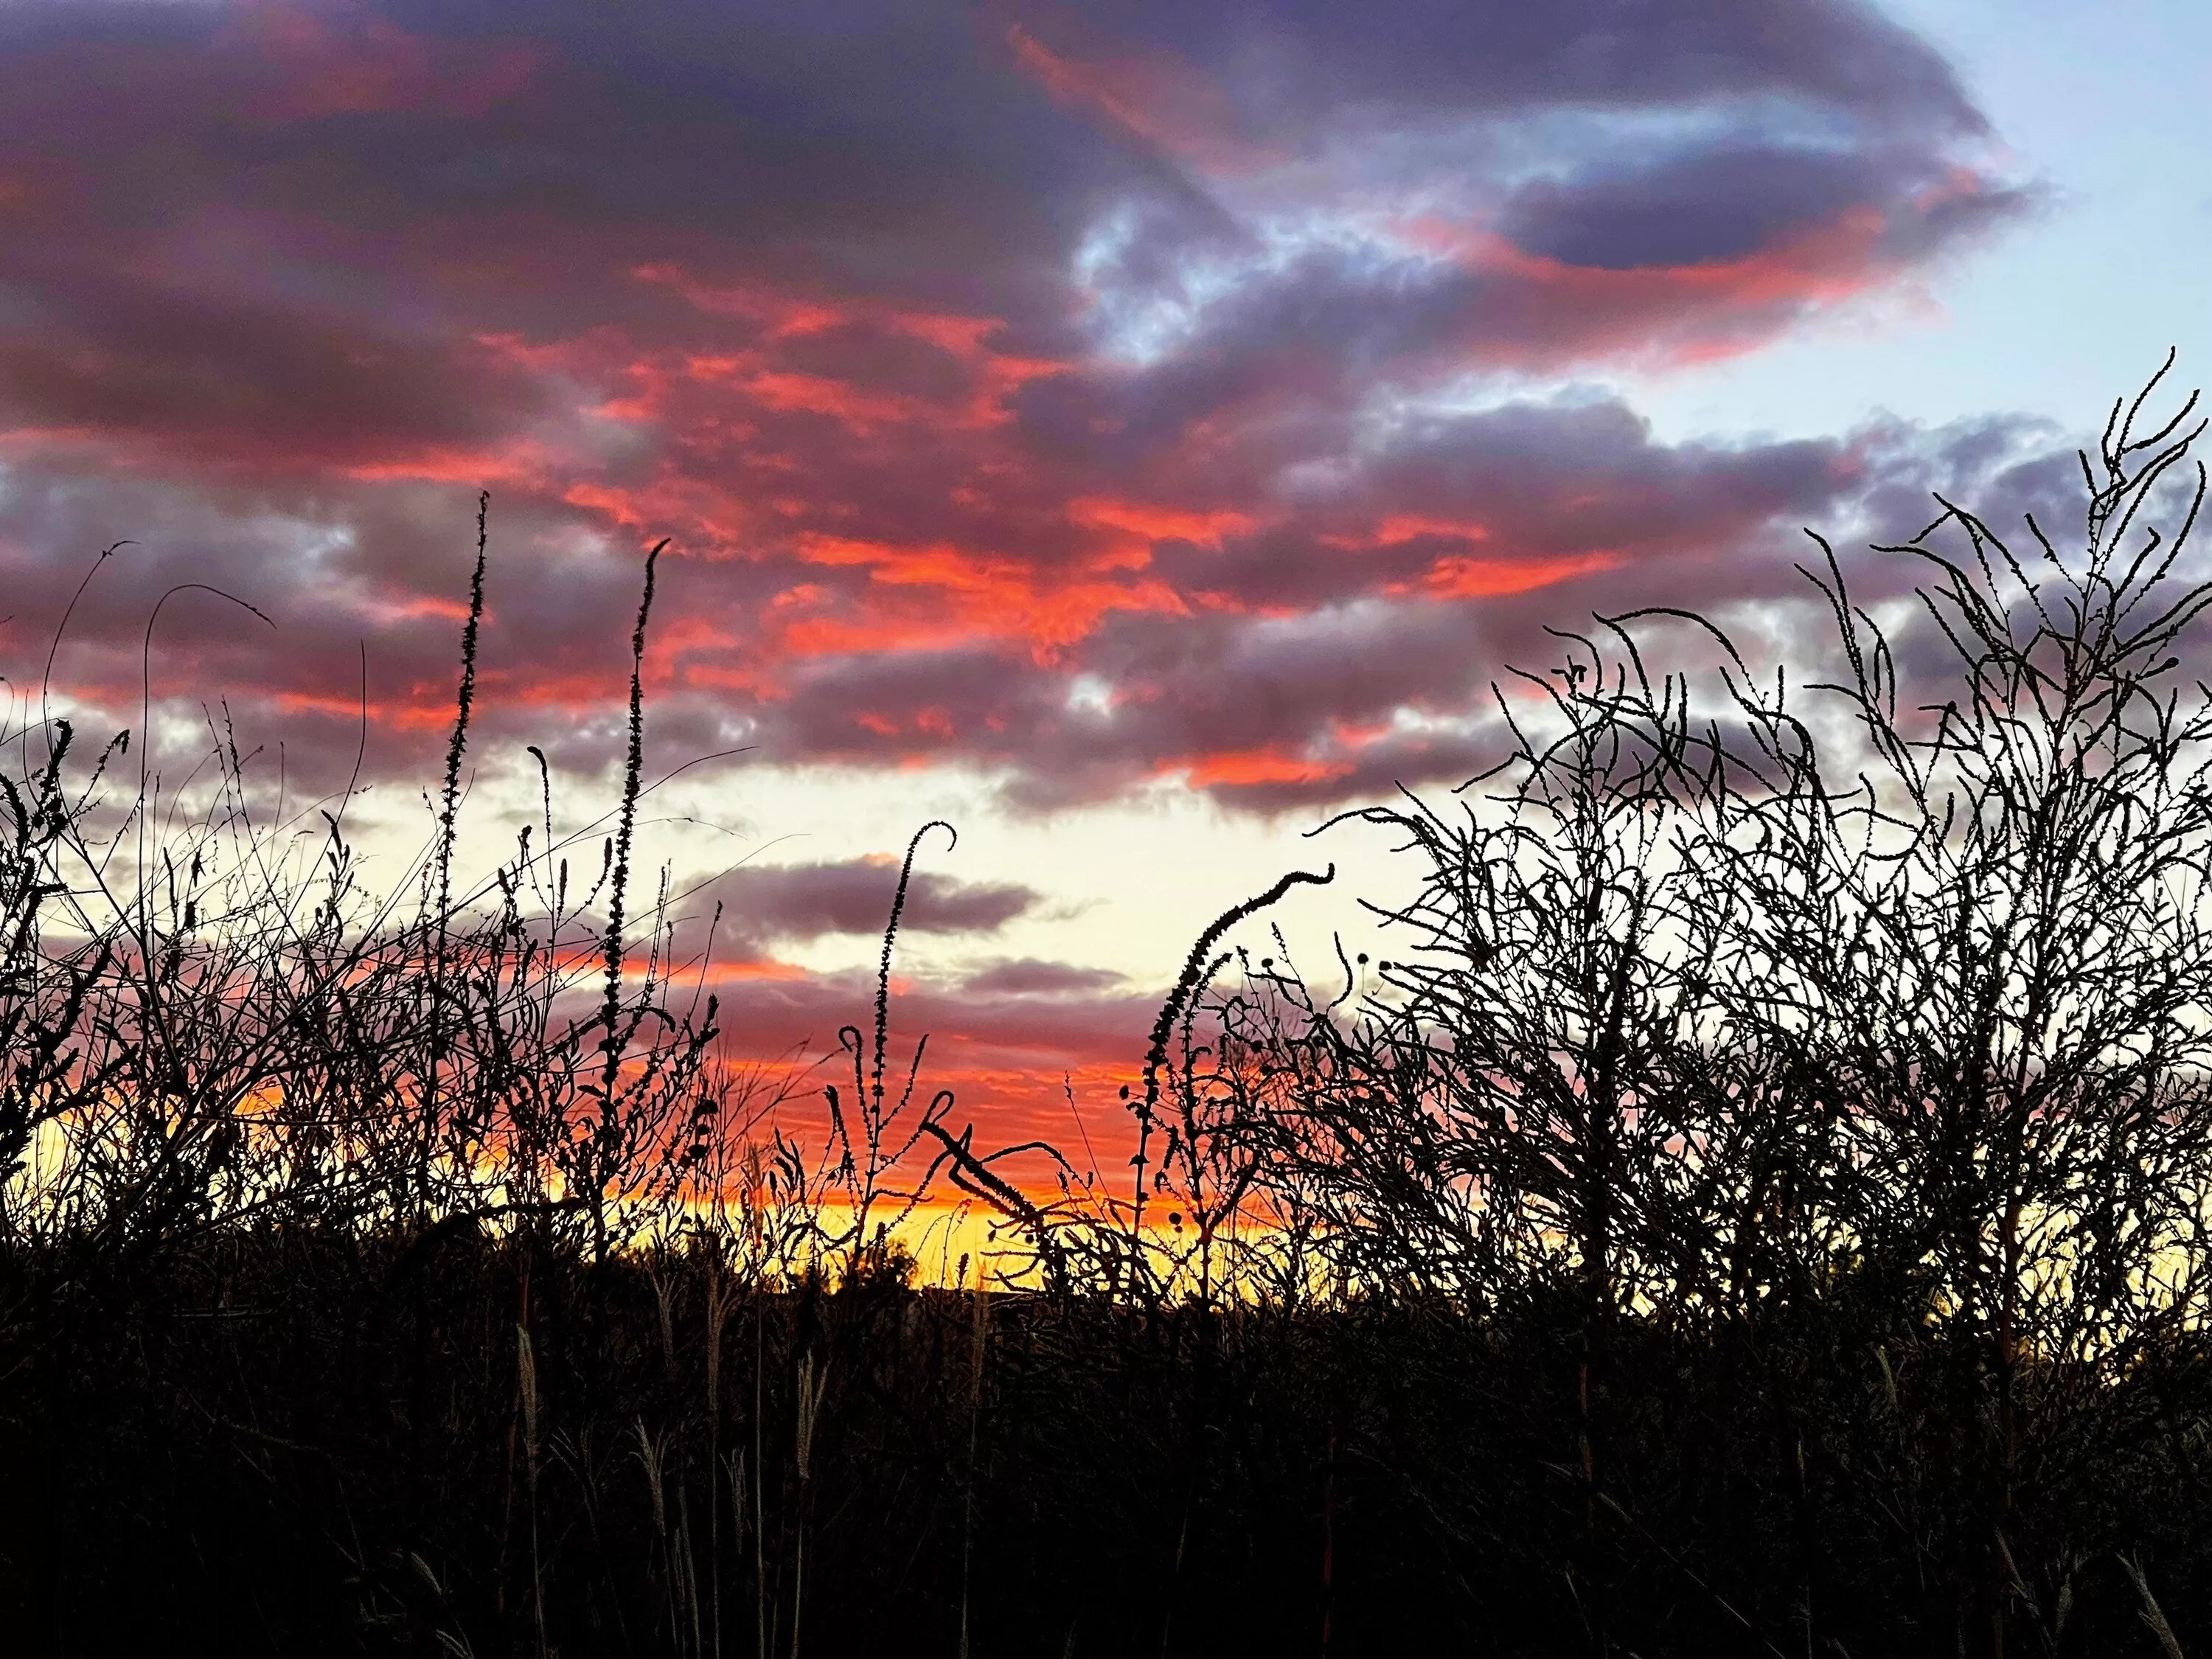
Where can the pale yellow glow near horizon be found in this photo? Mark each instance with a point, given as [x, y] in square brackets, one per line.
[1124, 886]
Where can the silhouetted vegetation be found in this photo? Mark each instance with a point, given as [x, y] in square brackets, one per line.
[1761, 1206]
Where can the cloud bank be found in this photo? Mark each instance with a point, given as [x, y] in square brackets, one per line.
[1089, 398]
[1093, 396]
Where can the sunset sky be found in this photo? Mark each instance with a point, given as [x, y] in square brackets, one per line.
[1131, 431]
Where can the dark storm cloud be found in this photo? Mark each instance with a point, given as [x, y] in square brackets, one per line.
[220, 378]
[1301, 61]
[1720, 204]
[799, 901]
[1029, 976]
[1548, 478]
[508, 165]
[1009, 1023]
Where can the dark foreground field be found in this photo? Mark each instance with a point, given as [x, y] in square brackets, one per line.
[297, 1445]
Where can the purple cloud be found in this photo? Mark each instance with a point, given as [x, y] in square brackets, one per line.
[1058, 392]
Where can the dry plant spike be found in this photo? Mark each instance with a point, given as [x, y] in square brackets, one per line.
[525, 1360]
[2151, 1616]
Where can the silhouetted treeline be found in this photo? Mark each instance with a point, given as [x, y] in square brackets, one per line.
[1760, 1206]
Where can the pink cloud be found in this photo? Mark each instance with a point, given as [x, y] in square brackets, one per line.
[326, 61]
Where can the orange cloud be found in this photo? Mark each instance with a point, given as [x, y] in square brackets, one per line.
[1155, 521]
[514, 464]
[1267, 765]
[1396, 527]
[1491, 579]
[786, 317]
[986, 596]
[861, 410]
